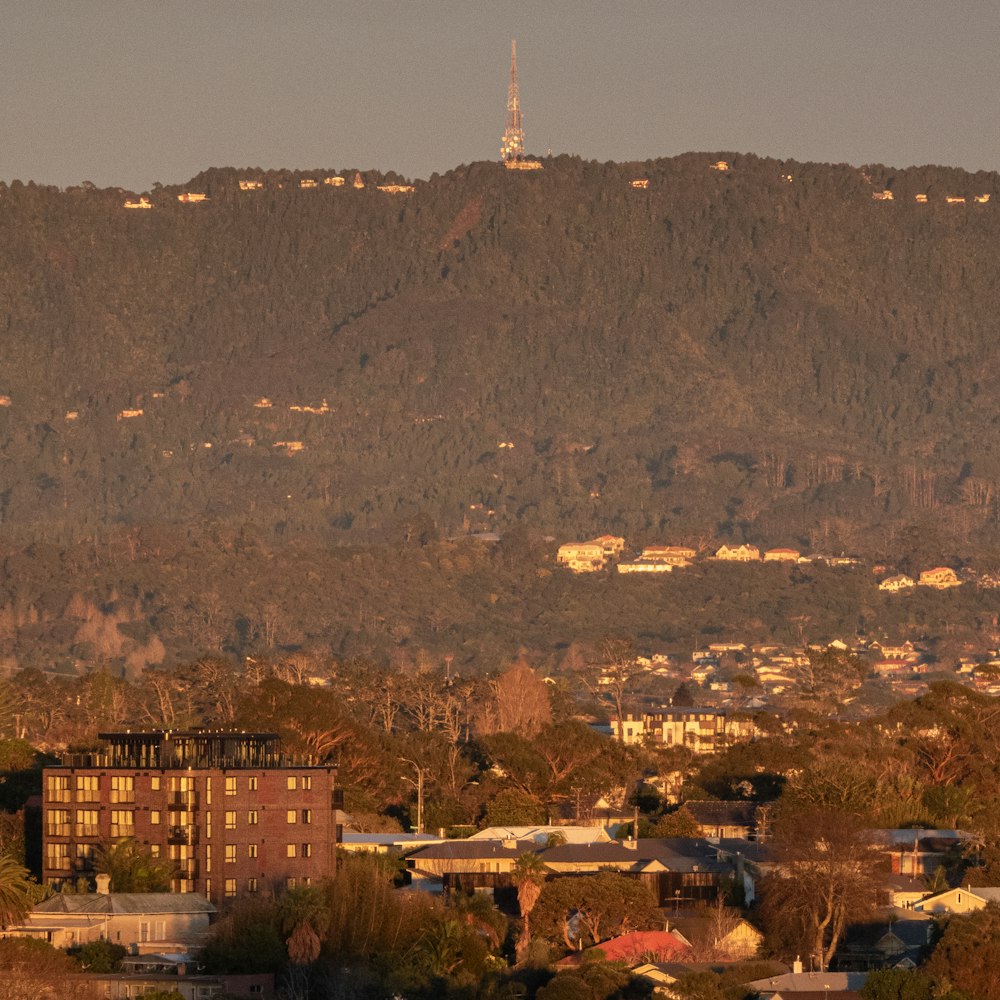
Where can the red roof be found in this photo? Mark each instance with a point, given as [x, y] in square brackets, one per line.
[640, 944]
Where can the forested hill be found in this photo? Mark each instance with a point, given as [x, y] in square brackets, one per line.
[725, 353]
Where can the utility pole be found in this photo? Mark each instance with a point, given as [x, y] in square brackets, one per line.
[512, 143]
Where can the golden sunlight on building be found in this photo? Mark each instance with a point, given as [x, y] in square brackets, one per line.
[640, 182]
[323, 408]
[885, 195]
[395, 188]
[920, 199]
[143, 202]
[251, 185]
[720, 165]
[307, 182]
[128, 414]
[954, 200]
[291, 447]
[192, 197]
[982, 199]
[358, 181]
[263, 403]
[334, 181]
[72, 414]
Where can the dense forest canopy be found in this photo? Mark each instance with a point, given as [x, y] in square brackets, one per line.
[723, 355]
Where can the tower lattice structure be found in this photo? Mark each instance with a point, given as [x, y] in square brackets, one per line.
[512, 143]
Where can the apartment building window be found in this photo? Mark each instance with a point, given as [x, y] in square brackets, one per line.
[230, 854]
[57, 857]
[154, 783]
[230, 887]
[122, 788]
[57, 822]
[231, 820]
[154, 850]
[154, 817]
[252, 817]
[290, 784]
[230, 786]
[307, 850]
[88, 788]
[293, 816]
[208, 859]
[251, 784]
[290, 851]
[84, 856]
[307, 816]
[306, 783]
[57, 788]
[251, 850]
[86, 823]
[122, 823]
[251, 885]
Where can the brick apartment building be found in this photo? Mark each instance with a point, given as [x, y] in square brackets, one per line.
[229, 810]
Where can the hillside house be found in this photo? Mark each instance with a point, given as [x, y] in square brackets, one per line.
[251, 185]
[307, 182]
[192, 197]
[612, 545]
[721, 165]
[644, 565]
[676, 555]
[738, 553]
[941, 578]
[885, 195]
[143, 202]
[334, 181]
[641, 183]
[960, 900]
[582, 557]
[982, 199]
[396, 188]
[703, 730]
[920, 199]
[359, 182]
[782, 555]
[894, 584]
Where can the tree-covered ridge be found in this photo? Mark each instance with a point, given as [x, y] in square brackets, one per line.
[722, 348]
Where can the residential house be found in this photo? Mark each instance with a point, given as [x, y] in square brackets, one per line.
[895, 938]
[395, 844]
[960, 900]
[941, 578]
[736, 939]
[894, 584]
[173, 977]
[782, 555]
[727, 820]
[675, 555]
[738, 553]
[829, 985]
[612, 545]
[141, 921]
[582, 557]
[918, 852]
[644, 565]
[640, 946]
[543, 835]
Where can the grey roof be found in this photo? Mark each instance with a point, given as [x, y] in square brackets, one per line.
[738, 813]
[126, 902]
[675, 854]
[796, 982]
[465, 850]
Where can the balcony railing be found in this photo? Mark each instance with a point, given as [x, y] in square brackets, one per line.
[183, 801]
[182, 835]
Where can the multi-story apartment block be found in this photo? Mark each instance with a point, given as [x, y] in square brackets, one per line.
[231, 812]
[703, 730]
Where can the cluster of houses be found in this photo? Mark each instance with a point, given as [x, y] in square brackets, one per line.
[736, 678]
[251, 184]
[605, 551]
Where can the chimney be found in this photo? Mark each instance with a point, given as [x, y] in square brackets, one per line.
[103, 884]
[797, 966]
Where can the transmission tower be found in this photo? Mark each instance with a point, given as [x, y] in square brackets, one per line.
[512, 143]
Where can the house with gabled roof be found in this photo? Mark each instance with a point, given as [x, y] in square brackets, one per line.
[146, 921]
[941, 578]
[963, 899]
[738, 553]
[894, 584]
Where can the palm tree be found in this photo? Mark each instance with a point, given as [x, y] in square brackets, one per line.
[16, 891]
[528, 876]
[132, 867]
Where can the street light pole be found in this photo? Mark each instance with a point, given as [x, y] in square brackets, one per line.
[420, 792]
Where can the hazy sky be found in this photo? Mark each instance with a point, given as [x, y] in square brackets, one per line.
[128, 92]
